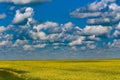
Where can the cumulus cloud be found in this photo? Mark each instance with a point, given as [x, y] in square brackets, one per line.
[21, 17]
[116, 33]
[28, 47]
[38, 35]
[96, 30]
[107, 19]
[19, 42]
[67, 26]
[94, 38]
[39, 45]
[103, 22]
[115, 44]
[45, 26]
[78, 14]
[23, 2]
[77, 41]
[3, 43]
[104, 12]
[33, 47]
[95, 6]
[52, 31]
[30, 35]
[118, 26]
[2, 29]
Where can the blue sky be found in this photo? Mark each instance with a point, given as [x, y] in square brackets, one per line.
[46, 11]
[59, 29]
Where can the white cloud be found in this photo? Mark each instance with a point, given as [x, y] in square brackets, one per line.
[64, 34]
[114, 6]
[19, 42]
[54, 30]
[46, 25]
[38, 35]
[103, 12]
[39, 45]
[98, 21]
[93, 37]
[23, 2]
[96, 30]
[52, 37]
[116, 33]
[67, 26]
[115, 44]
[98, 5]
[28, 47]
[85, 15]
[20, 17]
[55, 34]
[107, 18]
[95, 6]
[33, 47]
[2, 29]
[3, 43]
[50, 33]
[2, 16]
[118, 26]
[77, 41]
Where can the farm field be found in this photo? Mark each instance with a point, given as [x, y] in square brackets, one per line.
[60, 70]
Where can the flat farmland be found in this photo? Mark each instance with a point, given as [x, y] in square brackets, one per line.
[60, 70]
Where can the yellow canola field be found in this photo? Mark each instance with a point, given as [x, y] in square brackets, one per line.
[60, 70]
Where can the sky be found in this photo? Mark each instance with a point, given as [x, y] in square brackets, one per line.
[59, 29]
